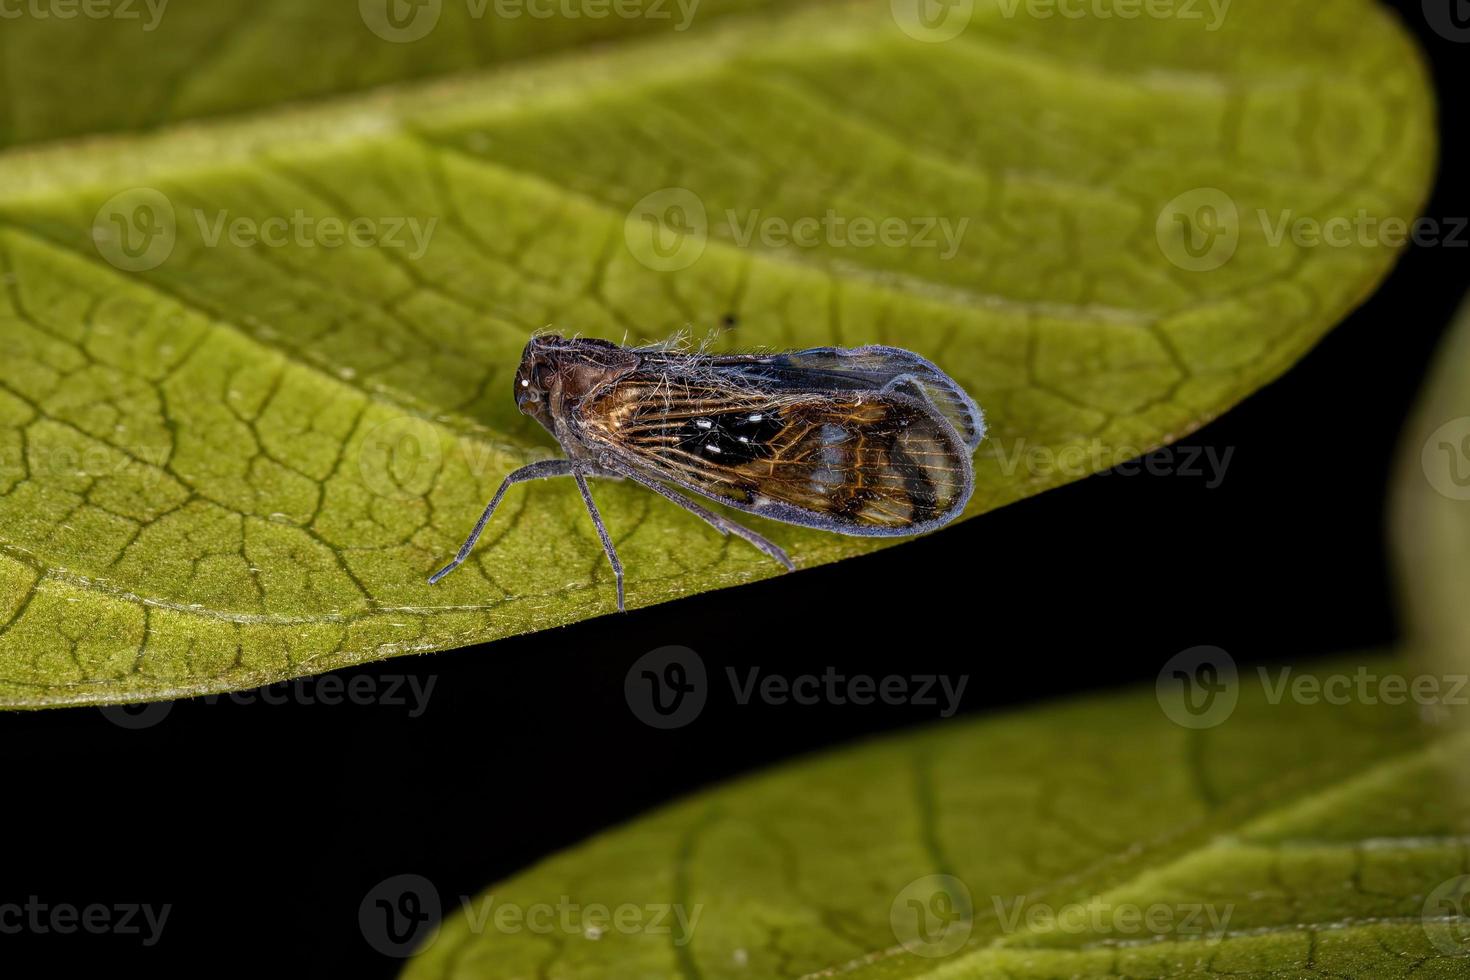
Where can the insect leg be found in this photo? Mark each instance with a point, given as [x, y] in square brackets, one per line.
[721, 524]
[533, 471]
[607, 545]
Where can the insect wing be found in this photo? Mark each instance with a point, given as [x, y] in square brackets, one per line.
[873, 368]
[857, 461]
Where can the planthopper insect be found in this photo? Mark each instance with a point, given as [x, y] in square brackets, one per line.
[871, 441]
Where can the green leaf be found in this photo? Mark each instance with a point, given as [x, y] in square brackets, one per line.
[223, 464]
[191, 60]
[1431, 509]
[1094, 838]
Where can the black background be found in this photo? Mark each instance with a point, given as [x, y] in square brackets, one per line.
[265, 825]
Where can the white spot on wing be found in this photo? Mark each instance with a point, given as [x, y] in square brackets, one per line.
[829, 475]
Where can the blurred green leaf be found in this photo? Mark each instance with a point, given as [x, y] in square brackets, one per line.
[185, 61]
[1285, 837]
[1431, 510]
[232, 447]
